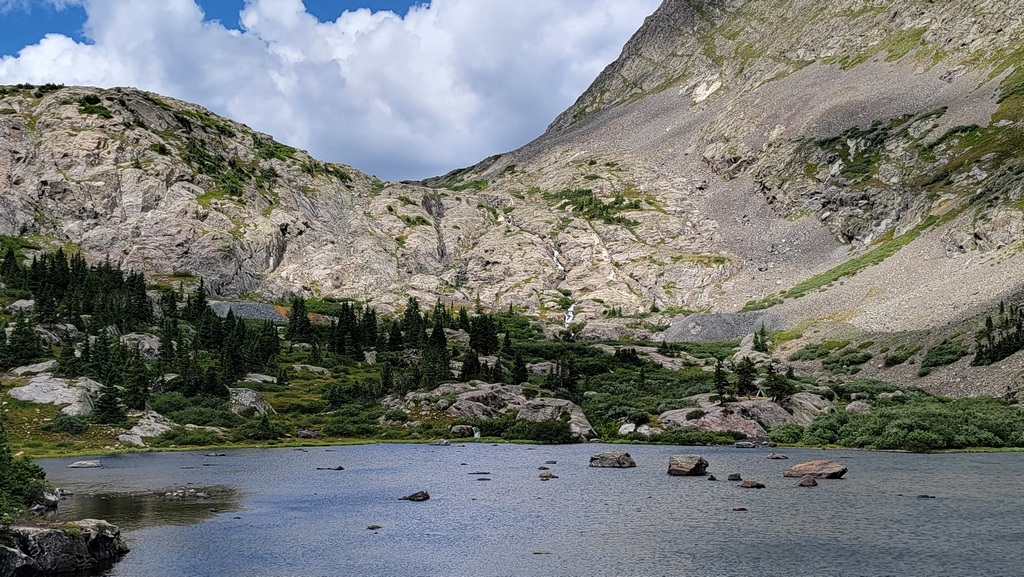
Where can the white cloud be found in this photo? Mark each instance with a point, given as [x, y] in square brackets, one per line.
[447, 85]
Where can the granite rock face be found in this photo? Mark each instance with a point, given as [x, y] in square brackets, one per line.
[77, 546]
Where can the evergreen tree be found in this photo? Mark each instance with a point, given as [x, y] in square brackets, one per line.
[470, 367]
[483, 336]
[22, 482]
[436, 359]
[168, 334]
[395, 340]
[24, 346]
[107, 409]
[136, 378]
[68, 363]
[315, 356]
[300, 329]
[413, 327]
[746, 372]
[721, 383]
[520, 374]
[761, 339]
[196, 304]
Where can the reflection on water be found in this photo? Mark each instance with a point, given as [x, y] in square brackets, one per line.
[134, 511]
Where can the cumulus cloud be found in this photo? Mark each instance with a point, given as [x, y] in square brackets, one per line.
[444, 86]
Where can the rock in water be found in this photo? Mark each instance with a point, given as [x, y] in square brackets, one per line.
[440, 443]
[821, 469]
[417, 496]
[752, 485]
[687, 465]
[735, 477]
[807, 481]
[76, 546]
[614, 459]
[777, 456]
[90, 464]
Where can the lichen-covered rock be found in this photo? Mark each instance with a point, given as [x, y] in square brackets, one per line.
[859, 407]
[612, 459]
[243, 400]
[808, 406]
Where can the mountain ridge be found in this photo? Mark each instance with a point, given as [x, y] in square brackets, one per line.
[851, 167]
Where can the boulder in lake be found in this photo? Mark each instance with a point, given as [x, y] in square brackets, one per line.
[821, 469]
[612, 459]
[545, 475]
[776, 456]
[417, 496]
[687, 465]
[77, 546]
[440, 443]
[752, 485]
[807, 481]
[745, 445]
[88, 464]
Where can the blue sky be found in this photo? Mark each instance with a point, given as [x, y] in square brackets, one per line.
[399, 89]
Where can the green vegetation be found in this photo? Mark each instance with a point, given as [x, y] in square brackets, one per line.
[945, 353]
[586, 203]
[90, 104]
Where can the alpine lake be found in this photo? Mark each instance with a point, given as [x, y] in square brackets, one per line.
[284, 512]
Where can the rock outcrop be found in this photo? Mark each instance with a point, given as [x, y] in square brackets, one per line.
[76, 394]
[549, 409]
[249, 401]
[714, 420]
[73, 547]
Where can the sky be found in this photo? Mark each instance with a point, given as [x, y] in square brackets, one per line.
[400, 89]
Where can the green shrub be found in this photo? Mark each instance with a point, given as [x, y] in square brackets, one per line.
[182, 437]
[695, 414]
[945, 353]
[685, 436]
[69, 424]
[548, 432]
[260, 429]
[785, 434]
[396, 415]
[206, 417]
[900, 355]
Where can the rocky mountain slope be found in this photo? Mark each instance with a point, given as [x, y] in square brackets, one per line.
[851, 166]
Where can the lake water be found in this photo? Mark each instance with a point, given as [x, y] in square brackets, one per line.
[274, 514]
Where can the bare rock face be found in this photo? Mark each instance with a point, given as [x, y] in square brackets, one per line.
[715, 420]
[765, 412]
[687, 465]
[243, 399]
[78, 394]
[77, 546]
[613, 459]
[819, 469]
[549, 409]
[808, 406]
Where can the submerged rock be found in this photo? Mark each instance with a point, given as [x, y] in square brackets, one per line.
[417, 496]
[807, 481]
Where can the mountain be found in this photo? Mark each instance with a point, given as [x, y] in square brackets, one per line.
[851, 168]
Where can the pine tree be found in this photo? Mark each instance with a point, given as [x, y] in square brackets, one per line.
[470, 367]
[721, 383]
[300, 329]
[196, 304]
[745, 371]
[24, 346]
[436, 358]
[107, 409]
[761, 339]
[136, 378]
[520, 374]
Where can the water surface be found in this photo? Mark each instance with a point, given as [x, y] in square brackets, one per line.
[283, 517]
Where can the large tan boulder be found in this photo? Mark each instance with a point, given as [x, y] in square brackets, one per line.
[820, 469]
[76, 394]
[687, 465]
